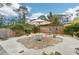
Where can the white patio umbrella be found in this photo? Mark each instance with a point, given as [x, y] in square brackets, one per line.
[39, 22]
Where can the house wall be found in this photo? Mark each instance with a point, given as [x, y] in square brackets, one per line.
[52, 29]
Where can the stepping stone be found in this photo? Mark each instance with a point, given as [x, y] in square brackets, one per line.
[77, 51]
[21, 51]
[77, 48]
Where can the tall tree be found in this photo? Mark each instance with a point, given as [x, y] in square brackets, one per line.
[23, 13]
[55, 22]
[54, 19]
[1, 20]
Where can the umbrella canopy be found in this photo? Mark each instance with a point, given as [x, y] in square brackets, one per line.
[40, 22]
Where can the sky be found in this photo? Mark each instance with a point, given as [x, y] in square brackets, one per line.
[50, 7]
[37, 9]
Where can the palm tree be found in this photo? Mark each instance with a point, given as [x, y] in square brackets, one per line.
[43, 17]
[55, 20]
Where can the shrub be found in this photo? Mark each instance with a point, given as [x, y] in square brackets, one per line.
[68, 30]
[18, 29]
[76, 34]
[21, 29]
[71, 29]
[17, 26]
[35, 29]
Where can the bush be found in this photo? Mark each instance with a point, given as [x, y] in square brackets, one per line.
[17, 26]
[76, 34]
[18, 29]
[36, 29]
[71, 29]
[21, 29]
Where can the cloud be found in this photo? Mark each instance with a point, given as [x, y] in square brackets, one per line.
[71, 12]
[9, 10]
[29, 8]
[36, 15]
[14, 6]
[76, 8]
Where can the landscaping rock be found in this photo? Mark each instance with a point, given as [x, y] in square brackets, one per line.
[21, 51]
[6, 33]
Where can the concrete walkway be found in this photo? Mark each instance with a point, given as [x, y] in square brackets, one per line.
[67, 47]
[2, 51]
